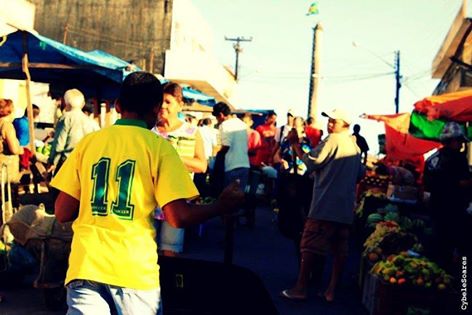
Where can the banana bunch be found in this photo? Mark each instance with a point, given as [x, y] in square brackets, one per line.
[420, 272]
[368, 193]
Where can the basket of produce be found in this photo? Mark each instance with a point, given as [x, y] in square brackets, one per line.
[404, 281]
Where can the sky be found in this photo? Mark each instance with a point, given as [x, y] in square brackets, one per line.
[275, 66]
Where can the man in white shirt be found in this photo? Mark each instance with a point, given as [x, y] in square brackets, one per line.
[210, 141]
[209, 136]
[283, 131]
[233, 133]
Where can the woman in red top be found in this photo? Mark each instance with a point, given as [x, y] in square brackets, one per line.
[312, 133]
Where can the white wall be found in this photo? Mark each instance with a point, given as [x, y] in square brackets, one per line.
[191, 55]
[17, 13]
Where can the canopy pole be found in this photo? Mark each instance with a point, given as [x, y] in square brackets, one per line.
[29, 104]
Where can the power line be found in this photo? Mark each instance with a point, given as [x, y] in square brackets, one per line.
[338, 79]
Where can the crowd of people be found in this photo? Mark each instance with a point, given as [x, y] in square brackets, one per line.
[138, 172]
[154, 162]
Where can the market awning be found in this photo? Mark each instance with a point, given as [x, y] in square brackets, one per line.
[52, 62]
[26, 55]
[399, 144]
[432, 113]
[455, 106]
[192, 95]
[197, 96]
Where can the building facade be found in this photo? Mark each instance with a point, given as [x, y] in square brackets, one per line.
[453, 62]
[167, 37]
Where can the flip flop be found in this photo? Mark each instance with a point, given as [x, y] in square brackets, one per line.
[287, 295]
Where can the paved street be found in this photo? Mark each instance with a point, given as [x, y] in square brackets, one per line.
[262, 250]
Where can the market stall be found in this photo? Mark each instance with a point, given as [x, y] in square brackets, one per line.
[397, 276]
[26, 55]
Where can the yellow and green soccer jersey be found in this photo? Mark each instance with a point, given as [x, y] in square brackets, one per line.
[120, 174]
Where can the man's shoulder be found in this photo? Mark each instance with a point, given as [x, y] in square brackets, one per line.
[341, 136]
[233, 124]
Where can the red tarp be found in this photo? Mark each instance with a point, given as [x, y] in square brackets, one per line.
[399, 144]
[455, 106]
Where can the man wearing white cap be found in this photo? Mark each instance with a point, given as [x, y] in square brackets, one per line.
[337, 167]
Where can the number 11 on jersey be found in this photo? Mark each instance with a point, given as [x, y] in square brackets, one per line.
[121, 206]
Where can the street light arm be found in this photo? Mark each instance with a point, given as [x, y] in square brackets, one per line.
[356, 45]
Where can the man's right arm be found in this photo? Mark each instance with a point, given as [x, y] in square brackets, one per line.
[181, 214]
[316, 157]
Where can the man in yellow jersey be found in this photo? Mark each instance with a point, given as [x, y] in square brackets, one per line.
[110, 185]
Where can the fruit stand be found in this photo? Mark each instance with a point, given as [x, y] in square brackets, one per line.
[395, 277]
[394, 222]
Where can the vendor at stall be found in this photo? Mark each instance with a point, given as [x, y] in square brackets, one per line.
[399, 175]
[448, 179]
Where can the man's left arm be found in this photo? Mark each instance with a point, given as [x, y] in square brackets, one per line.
[66, 208]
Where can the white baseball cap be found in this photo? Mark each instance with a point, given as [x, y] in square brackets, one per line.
[338, 113]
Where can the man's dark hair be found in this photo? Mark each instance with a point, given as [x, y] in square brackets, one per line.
[34, 107]
[382, 169]
[206, 122]
[356, 128]
[221, 107]
[140, 93]
[88, 108]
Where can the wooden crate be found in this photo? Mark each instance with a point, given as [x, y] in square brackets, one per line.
[382, 298]
[369, 291]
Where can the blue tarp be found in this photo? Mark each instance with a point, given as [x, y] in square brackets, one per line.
[52, 62]
[198, 96]
[95, 73]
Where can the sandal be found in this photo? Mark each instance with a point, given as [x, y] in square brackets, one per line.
[286, 294]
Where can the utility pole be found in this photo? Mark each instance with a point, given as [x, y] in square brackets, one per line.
[66, 31]
[398, 84]
[238, 49]
[314, 73]
[151, 60]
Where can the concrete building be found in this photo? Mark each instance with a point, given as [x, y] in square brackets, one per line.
[453, 62]
[167, 37]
